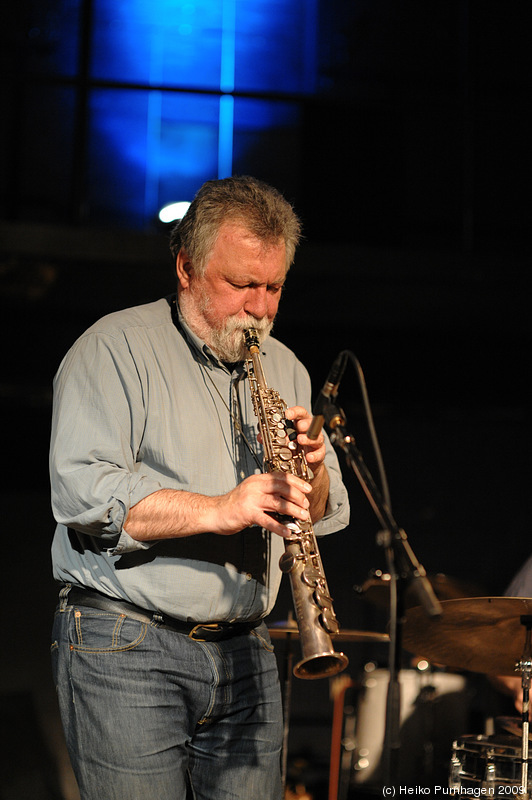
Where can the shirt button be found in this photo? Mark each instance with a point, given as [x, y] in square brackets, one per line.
[248, 576]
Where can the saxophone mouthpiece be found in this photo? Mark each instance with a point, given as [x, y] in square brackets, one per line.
[251, 340]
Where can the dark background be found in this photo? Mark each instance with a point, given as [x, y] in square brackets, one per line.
[413, 183]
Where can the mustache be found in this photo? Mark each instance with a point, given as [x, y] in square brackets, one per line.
[262, 326]
[228, 342]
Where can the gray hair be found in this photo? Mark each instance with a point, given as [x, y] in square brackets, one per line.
[259, 207]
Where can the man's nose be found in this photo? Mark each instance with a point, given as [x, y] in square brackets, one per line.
[257, 302]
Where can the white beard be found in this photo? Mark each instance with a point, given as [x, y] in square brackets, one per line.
[226, 342]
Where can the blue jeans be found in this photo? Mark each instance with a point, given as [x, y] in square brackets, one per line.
[150, 713]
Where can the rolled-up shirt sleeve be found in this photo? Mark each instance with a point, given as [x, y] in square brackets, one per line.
[336, 516]
[97, 425]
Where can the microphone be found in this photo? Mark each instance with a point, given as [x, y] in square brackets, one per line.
[326, 395]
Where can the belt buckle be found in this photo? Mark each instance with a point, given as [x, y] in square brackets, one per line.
[213, 627]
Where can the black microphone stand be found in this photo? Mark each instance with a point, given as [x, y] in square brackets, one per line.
[405, 570]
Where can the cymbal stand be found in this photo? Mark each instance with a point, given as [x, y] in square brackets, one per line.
[524, 666]
[403, 566]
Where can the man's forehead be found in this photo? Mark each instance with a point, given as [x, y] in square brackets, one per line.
[234, 231]
[237, 250]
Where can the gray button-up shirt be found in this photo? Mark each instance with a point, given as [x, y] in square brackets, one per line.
[141, 404]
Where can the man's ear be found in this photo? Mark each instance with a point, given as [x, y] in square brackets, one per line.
[183, 269]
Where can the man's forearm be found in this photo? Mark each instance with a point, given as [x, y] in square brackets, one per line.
[258, 500]
[171, 513]
[319, 496]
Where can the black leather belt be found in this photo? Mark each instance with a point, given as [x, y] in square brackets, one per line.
[202, 632]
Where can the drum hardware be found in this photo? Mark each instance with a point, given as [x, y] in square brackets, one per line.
[513, 725]
[481, 634]
[488, 766]
[524, 666]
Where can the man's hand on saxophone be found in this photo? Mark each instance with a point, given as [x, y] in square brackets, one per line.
[261, 499]
[171, 513]
[315, 455]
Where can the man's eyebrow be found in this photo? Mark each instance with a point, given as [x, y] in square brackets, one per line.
[248, 281]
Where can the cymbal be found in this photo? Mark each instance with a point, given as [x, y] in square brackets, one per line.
[377, 590]
[282, 630]
[478, 634]
[513, 725]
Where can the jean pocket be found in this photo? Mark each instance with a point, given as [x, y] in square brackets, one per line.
[94, 631]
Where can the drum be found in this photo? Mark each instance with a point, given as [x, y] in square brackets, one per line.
[433, 707]
[490, 763]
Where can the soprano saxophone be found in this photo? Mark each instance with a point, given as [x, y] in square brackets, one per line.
[301, 560]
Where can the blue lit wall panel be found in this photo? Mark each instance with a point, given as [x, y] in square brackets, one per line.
[116, 157]
[188, 150]
[275, 45]
[148, 148]
[248, 45]
[159, 42]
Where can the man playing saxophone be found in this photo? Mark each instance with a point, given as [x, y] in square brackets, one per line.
[168, 531]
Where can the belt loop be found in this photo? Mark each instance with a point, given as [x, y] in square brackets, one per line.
[63, 596]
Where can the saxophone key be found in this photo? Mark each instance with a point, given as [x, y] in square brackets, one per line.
[329, 622]
[311, 576]
[287, 563]
[292, 525]
[323, 599]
